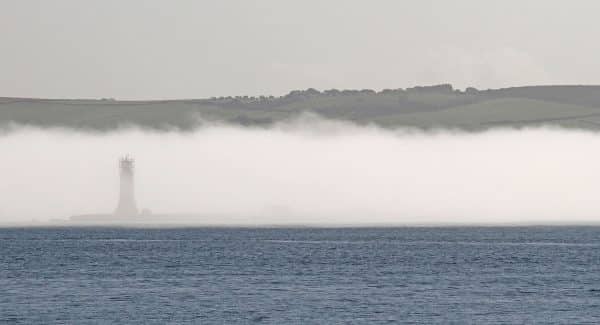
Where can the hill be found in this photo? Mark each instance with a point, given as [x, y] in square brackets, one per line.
[438, 106]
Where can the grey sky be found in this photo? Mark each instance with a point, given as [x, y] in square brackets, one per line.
[190, 49]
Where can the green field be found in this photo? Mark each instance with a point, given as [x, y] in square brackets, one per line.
[419, 107]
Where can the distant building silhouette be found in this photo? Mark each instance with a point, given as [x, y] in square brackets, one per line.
[126, 205]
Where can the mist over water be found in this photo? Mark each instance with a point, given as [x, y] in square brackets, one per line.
[308, 171]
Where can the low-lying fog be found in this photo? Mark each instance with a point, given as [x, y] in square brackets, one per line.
[308, 172]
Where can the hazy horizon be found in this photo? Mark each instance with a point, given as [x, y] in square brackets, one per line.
[323, 170]
[308, 171]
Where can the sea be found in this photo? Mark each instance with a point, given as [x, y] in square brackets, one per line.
[452, 275]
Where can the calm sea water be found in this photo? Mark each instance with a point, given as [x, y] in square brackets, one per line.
[300, 276]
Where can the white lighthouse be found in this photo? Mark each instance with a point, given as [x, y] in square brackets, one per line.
[126, 205]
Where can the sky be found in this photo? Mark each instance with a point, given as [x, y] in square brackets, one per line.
[154, 49]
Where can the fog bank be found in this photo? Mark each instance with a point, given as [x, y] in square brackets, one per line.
[308, 172]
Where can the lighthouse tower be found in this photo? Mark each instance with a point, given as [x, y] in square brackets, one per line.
[126, 205]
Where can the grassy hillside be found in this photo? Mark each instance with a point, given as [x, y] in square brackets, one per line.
[422, 107]
[496, 112]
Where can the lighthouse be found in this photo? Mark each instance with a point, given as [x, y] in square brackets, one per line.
[126, 205]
